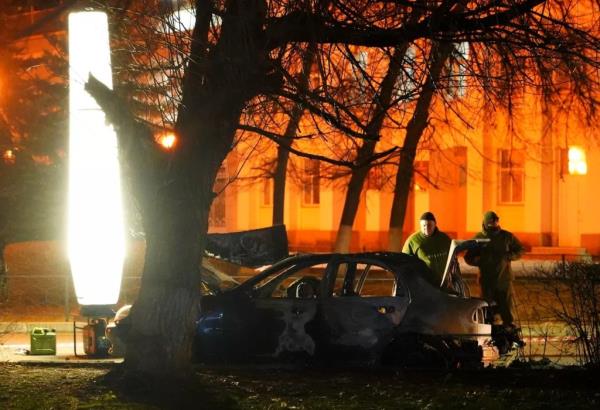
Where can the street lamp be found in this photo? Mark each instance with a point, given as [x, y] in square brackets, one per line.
[96, 239]
[167, 141]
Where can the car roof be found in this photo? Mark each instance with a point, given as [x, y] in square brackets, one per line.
[395, 258]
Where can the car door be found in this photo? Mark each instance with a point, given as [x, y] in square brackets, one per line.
[361, 306]
[284, 310]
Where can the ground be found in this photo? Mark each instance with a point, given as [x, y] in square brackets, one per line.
[68, 386]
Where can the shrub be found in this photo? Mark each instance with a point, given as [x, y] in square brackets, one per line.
[574, 299]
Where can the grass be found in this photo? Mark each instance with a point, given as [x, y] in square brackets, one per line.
[85, 387]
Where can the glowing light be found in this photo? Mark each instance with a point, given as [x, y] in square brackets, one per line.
[167, 140]
[184, 19]
[577, 161]
[96, 240]
[9, 156]
[180, 20]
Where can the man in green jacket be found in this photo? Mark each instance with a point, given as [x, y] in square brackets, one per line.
[431, 246]
[494, 260]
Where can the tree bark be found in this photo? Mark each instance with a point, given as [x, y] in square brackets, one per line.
[3, 272]
[381, 104]
[283, 153]
[414, 130]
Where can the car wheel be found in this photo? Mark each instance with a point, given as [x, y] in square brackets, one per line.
[419, 351]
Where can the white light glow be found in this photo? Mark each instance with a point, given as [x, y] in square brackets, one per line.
[577, 161]
[184, 20]
[96, 240]
[180, 20]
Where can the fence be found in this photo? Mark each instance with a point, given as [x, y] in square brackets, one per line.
[49, 296]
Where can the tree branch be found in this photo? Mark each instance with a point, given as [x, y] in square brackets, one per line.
[441, 24]
[138, 152]
[279, 139]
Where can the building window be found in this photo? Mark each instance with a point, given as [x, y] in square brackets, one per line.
[359, 64]
[573, 161]
[457, 71]
[362, 58]
[216, 218]
[577, 161]
[511, 175]
[311, 182]
[406, 82]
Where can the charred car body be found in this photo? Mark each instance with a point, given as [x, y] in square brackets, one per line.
[366, 307]
[349, 308]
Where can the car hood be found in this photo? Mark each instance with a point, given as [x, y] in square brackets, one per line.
[215, 279]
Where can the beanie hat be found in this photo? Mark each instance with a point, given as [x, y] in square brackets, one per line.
[490, 216]
[427, 216]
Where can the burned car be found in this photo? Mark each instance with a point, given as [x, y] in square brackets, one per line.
[351, 308]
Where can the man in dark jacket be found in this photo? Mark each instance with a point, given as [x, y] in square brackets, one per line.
[431, 246]
[494, 260]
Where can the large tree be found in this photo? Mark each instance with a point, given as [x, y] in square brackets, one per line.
[236, 52]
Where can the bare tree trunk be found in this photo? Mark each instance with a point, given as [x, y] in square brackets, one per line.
[3, 273]
[359, 175]
[414, 130]
[352, 201]
[279, 178]
[283, 153]
[164, 314]
[175, 215]
[174, 195]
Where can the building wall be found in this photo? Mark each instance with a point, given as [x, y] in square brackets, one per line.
[557, 209]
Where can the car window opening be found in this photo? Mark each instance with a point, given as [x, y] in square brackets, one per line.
[364, 280]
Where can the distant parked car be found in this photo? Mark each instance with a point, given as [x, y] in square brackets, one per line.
[365, 307]
[212, 281]
[116, 332]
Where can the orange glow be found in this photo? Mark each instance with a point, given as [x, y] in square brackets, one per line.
[167, 140]
[9, 156]
[42, 159]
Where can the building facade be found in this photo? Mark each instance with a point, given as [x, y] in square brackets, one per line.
[537, 168]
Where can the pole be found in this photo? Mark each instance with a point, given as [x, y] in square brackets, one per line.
[67, 299]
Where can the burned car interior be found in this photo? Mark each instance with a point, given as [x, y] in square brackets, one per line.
[348, 278]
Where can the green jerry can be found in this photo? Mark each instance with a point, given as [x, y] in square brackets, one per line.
[43, 341]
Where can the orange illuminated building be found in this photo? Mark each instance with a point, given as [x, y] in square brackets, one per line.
[543, 189]
[539, 170]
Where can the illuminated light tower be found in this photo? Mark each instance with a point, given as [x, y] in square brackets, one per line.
[96, 236]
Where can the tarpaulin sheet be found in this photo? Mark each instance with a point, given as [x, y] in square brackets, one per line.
[255, 247]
